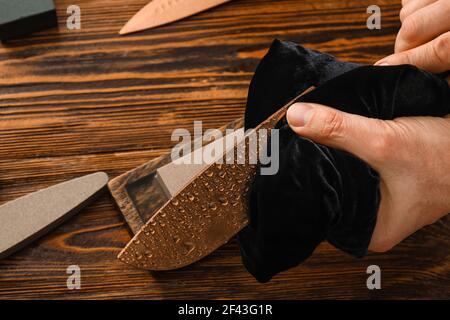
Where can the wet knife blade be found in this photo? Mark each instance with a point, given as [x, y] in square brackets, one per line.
[207, 205]
[160, 12]
[25, 219]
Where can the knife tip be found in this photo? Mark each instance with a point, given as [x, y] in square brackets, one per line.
[124, 30]
[135, 23]
[142, 20]
[129, 28]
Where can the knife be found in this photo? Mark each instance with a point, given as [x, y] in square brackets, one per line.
[207, 205]
[25, 219]
[160, 12]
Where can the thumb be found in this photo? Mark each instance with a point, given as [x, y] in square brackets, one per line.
[361, 136]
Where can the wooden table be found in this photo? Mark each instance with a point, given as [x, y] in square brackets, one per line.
[74, 102]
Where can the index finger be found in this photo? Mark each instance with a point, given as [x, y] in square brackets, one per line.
[433, 56]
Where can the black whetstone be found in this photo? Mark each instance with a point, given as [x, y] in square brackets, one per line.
[20, 17]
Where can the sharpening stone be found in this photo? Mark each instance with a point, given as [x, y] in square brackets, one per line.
[20, 17]
[25, 219]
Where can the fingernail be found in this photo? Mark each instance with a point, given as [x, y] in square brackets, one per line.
[299, 114]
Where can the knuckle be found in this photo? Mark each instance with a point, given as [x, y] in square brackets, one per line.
[331, 126]
[404, 12]
[442, 49]
[406, 58]
[383, 145]
[409, 29]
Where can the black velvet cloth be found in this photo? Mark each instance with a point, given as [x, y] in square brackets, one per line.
[321, 193]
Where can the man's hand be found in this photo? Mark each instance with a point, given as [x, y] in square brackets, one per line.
[412, 156]
[424, 37]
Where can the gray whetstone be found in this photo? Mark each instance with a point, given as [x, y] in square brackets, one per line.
[20, 17]
[25, 219]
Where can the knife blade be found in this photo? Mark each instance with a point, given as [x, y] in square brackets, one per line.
[160, 12]
[25, 219]
[201, 215]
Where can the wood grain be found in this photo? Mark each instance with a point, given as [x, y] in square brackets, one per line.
[76, 101]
